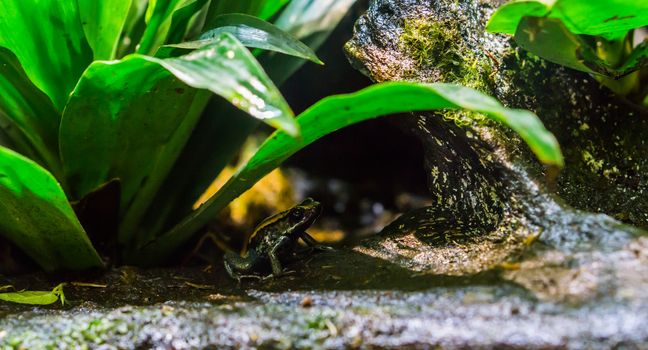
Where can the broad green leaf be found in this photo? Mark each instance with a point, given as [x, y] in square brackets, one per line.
[48, 39]
[336, 112]
[103, 21]
[30, 113]
[551, 40]
[263, 9]
[133, 28]
[119, 122]
[252, 32]
[220, 128]
[128, 228]
[609, 18]
[180, 21]
[270, 8]
[228, 69]
[158, 22]
[303, 18]
[36, 297]
[36, 216]
[598, 17]
[507, 17]
[136, 13]
[215, 142]
[11, 137]
[129, 119]
[309, 21]
[5, 139]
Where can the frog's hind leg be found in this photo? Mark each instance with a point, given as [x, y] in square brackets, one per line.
[234, 264]
[312, 243]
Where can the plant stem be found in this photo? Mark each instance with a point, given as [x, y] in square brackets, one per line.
[148, 39]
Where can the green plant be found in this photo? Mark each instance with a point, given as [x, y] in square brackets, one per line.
[103, 102]
[35, 297]
[590, 36]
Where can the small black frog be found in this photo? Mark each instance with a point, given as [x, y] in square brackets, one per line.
[274, 241]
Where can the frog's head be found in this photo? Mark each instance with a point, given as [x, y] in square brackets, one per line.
[303, 214]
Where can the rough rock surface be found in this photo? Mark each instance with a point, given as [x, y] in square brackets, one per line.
[532, 271]
[539, 241]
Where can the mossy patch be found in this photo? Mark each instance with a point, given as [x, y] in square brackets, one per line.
[431, 42]
[439, 45]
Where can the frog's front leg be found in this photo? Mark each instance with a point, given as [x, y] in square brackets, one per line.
[273, 255]
[311, 242]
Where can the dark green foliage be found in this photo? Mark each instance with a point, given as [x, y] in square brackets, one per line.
[87, 113]
[591, 36]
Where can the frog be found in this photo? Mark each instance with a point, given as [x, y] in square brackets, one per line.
[274, 241]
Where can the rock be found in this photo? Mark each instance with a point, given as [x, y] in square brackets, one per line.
[485, 179]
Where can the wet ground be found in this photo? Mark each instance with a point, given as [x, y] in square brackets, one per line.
[559, 292]
[449, 316]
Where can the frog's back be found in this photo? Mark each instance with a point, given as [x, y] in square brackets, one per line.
[265, 231]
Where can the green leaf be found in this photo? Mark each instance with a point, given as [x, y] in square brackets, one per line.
[36, 297]
[180, 20]
[263, 9]
[228, 69]
[133, 28]
[312, 22]
[270, 8]
[36, 216]
[222, 129]
[136, 13]
[5, 139]
[507, 17]
[158, 17]
[609, 18]
[11, 137]
[304, 18]
[130, 119]
[30, 112]
[119, 123]
[551, 40]
[598, 17]
[252, 32]
[48, 39]
[335, 112]
[103, 21]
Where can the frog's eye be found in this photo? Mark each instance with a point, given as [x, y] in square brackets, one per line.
[297, 213]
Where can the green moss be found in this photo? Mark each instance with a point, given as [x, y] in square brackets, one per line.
[431, 43]
[439, 45]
